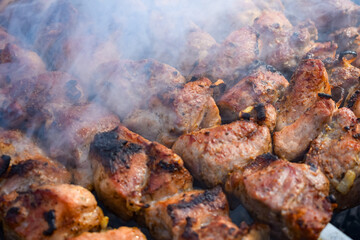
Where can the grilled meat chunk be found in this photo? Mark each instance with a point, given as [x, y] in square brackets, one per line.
[344, 75]
[24, 164]
[28, 101]
[309, 79]
[348, 39]
[336, 153]
[264, 85]
[211, 154]
[130, 171]
[199, 44]
[175, 112]
[353, 100]
[283, 45]
[325, 51]
[231, 58]
[290, 197]
[122, 233]
[17, 63]
[187, 215]
[292, 141]
[49, 212]
[135, 81]
[69, 133]
[327, 15]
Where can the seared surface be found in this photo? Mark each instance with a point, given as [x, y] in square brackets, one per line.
[335, 152]
[292, 141]
[290, 197]
[130, 171]
[211, 154]
[49, 212]
[264, 85]
[309, 79]
[178, 216]
[122, 233]
[175, 112]
[24, 164]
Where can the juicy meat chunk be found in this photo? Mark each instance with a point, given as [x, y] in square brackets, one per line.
[292, 141]
[353, 100]
[211, 154]
[309, 79]
[290, 197]
[69, 132]
[199, 44]
[49, 212]
[17, 63]
[336, 153]
[175, 112]
[183, 215]
[283, 45]
[27, 102]
[264, 85]
[24, 164]
[135, 81]
[327, 15]
[344, 75]
[130, 171]
[122, 233]
[231, 58]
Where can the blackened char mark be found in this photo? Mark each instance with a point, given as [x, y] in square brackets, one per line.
[169, 167]
[353, 99]
[50, 218]
[113, 151]
[188, 233]
[4, 164]
[262, 161]
[260, 112]
[25, 167]
[208, 197]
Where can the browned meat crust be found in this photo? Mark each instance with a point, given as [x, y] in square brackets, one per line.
[130, 171]
[49, 212]
[309, 79]
[175, 112]
[290, 197]
[211, 154]
[122, 233]
[264, 85]
[336, 153]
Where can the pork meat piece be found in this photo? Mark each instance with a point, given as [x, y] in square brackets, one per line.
[24, 164]
[282, 44]
[49, 212]
[290, 197]
[336, 153]
[344, 75]
[130, 171]
[327, 15]
[264, 85]
[292, 141]
[211, 154]
[26, 104]
[17, 63]
[175, 112]
[192, 215]
[122, 233]
[232, 58]
[353, 100]
[67, 136]
[199, 45]
[325, 51]
[309, 79]
[135, 81]
[348, 39]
